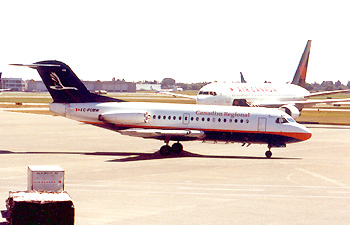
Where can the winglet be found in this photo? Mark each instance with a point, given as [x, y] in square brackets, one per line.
[300, 74]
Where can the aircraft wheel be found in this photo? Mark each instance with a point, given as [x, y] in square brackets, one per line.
[177, 148]
[268, 154]
[165, 150]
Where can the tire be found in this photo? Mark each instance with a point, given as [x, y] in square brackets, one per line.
[268, 154]
[165, 150]
[177, 148]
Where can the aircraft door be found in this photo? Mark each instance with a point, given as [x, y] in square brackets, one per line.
[262, 124]
[186, 118]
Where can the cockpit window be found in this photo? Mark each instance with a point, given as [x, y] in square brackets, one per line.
[290, 119]
[281, 120]
[213, 93]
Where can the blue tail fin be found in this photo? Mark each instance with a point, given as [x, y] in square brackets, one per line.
[63, 85]
[300, 74]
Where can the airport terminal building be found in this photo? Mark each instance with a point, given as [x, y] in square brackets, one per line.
[109, 86]
[13, 84]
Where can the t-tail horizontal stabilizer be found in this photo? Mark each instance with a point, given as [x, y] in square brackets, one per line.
[63, 85]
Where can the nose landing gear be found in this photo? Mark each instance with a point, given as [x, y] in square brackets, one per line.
[268, 153]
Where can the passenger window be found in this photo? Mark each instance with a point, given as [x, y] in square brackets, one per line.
[192, 118]
[225, 120]
[247, 121]
[241, 121]
[208, 119]
[174, 118]
[219, 120]
[197, 118]
[169, 117]
[230, 120]
[154, 116]
[164, 117]
[236, 121]
[159, 117]
[203, 118]
[180, 117]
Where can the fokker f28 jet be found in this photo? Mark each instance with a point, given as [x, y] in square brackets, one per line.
[167, 122]
[290, 98]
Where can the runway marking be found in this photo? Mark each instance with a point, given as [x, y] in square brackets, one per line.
[219, 189]
[229, 195]
[339, 192]
[86, 185]
[322, 177]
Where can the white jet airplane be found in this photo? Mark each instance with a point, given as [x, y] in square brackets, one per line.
[167, 122]
[291, 98]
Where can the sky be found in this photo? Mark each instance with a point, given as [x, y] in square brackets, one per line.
[187, 40]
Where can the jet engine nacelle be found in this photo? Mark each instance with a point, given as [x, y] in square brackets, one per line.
[290, 110]
[127, 118]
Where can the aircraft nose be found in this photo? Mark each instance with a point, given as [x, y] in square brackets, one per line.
[304, 133]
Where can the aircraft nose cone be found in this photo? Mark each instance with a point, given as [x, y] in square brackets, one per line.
[305, 134]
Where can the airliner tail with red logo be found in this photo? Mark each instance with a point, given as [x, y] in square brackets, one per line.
[290, 98]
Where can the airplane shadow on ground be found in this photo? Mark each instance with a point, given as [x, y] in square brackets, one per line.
[137, 156]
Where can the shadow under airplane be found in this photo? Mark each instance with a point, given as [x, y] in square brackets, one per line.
[137, 156]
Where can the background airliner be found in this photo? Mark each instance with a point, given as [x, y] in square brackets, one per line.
[291, 97]
[167, 122]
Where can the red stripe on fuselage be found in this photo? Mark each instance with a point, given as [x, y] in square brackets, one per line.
[295, 135]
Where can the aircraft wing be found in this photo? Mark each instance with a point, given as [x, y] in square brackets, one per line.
[300, 104]
[178, 95]
[327, 93]
[164, 134]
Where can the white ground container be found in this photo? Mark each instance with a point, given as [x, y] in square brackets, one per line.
[45, 178]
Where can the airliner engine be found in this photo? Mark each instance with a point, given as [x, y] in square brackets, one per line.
[125, 117]
[290, 110]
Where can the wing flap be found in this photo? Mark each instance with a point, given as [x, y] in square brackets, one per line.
[159, 133]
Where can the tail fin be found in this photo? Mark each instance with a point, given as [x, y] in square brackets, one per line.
[300, 74]
[63, 85]
[242, 78]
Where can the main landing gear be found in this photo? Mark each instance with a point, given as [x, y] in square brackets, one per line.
[268, 153]
[166, 150]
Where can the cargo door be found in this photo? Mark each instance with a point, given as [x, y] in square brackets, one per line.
[262, 124]
[186, 118]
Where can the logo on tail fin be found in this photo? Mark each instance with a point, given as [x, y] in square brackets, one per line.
[58, 86]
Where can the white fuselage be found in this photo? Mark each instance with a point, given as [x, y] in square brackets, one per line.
[256, 94]
[185, 117]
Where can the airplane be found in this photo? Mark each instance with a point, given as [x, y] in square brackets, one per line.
[290, 98]
[166, 122]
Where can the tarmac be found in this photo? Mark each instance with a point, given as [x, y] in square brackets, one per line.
[115, 179]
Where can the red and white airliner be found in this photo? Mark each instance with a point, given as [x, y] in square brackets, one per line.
[167, 122]
[291, 97]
